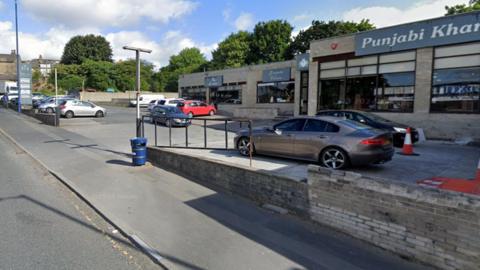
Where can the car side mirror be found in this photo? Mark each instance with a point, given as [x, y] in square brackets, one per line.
[278, 131]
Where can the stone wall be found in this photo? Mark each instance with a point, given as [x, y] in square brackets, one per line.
[436, 227]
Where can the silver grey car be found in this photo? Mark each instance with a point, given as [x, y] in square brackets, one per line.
[75, 107]
[333, 142]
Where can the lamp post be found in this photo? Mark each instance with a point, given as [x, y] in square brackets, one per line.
[19, 90]
[137, 81]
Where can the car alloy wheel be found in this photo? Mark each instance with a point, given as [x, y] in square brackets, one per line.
[334, 158]
[211, 113]
[168, 123]
[99, 114]
[69, 114]
[243, 146]
[49, 110]
[190, 114]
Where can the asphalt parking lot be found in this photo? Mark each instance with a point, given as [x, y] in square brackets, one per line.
[436, 158]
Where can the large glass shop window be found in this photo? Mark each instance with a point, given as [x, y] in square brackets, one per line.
[456, 79]
[279, 92]
[456, 90]
[194, 93]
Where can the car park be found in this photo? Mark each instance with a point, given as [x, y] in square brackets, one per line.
[74, 107]
[196, 108]
[169, 116]
[397, 129]
[333, 142]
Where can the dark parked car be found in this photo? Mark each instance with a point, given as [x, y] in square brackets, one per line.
[170, 116]
[398, 130]
[331, 141]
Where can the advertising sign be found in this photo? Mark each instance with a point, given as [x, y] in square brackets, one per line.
[441, 31]
[277, 75]
[214, 81]
[26, 84]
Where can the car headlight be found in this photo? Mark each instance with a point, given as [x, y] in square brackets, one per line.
[401, 130]
[177, 120]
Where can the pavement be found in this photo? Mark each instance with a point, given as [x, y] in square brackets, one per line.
[186, 225]
[43, 225]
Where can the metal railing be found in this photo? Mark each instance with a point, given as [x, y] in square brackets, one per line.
[225, 121]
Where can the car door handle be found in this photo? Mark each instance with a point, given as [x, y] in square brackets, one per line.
[322, 137]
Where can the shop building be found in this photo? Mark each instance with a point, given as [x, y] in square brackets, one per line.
[425, 74]
[260, 91]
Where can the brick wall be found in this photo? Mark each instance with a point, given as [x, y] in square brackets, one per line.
[436, 227]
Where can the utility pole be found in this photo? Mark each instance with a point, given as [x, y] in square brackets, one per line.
[19, 89]
[57, 113]
[137, 83]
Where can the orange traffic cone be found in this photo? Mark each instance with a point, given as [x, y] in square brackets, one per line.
[407, 149]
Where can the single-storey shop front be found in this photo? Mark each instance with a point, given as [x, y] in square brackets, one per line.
[426, 74]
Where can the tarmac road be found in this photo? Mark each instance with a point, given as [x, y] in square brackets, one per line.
[43, 225]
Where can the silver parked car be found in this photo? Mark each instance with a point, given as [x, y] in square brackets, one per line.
[48, 105]
[333, 142]
[75, 107]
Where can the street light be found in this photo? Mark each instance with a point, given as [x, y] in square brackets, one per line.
[19, 90]
[137, 81]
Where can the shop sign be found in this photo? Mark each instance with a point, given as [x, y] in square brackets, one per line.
[442, 31]
[26, 84]
[303, 61]
[214, 81]
[277, 75]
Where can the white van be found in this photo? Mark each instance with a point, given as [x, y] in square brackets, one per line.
[145, 99]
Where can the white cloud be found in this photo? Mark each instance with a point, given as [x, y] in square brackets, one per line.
[382, 16]
[244, 22]
[172, 43]
[104, 13]
[49, 44]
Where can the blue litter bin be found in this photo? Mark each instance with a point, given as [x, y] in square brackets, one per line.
[139, 150]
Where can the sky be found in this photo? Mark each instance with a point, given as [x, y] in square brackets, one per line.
[168, 26]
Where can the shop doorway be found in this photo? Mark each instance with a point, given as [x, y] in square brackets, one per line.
[360, 93]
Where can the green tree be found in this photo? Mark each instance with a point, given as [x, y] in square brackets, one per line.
[124, 73]
[473, 5]
[320, 30]
[36, 76]
[99, 74]
[270, 41]
[187, 61]
[90, 47]
[65, 70]
[232, 52]
[70, 82]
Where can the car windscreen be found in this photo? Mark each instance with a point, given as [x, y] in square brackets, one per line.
[354, 124]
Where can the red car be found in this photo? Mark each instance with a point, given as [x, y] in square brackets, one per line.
[195, 107]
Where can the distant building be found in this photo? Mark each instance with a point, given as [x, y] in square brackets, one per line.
[8, 67]
[45, 66]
